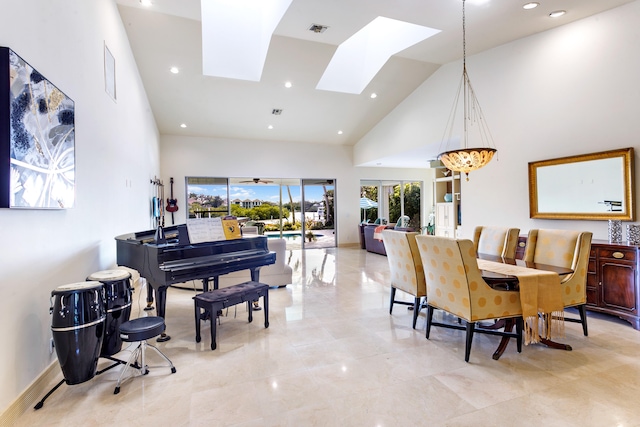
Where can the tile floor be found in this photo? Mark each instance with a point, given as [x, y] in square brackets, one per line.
[333, 356]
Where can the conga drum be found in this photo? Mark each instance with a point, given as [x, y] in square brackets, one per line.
[77, 325]
[117, 296]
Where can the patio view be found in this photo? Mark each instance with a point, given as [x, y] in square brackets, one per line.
[283, 208]
[387, 201]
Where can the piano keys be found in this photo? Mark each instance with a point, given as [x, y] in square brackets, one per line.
[178, 261]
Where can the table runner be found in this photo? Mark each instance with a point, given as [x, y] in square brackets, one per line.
[542, 308]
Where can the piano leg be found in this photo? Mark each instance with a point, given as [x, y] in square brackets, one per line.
[255, 277]
[161, 304]
[205, 283]
[149, 299]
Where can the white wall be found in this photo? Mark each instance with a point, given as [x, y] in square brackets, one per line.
[567, 91]
[116, 155]
[571, 90]
[191, 156]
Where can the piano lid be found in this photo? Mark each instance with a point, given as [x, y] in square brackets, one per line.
[177, 236]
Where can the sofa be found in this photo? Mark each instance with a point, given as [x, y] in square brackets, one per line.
[373, 243]
[274, 275]
[370, 242]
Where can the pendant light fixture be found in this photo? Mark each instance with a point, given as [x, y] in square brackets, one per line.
[467, 159]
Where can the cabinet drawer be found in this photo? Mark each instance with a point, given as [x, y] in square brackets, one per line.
[617, 253]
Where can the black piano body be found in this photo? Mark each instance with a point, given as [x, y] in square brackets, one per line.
[178, 261]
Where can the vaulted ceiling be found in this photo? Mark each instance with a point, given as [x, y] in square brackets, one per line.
[168, 34]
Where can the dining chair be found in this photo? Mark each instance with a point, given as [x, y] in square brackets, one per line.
[455, 285]
[406, 269]
[569, 249]
[498, 241]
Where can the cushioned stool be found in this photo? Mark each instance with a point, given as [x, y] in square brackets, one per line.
[215, 300]
[140, 330]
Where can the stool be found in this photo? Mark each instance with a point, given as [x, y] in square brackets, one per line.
[215, 300]
[140, 330]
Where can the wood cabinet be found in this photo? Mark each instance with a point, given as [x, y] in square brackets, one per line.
[613, 279]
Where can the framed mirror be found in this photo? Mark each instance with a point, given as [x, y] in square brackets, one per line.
[596, 186]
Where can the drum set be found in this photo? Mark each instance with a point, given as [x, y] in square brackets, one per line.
[86, 317]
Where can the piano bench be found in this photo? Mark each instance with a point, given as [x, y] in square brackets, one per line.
[217, 299]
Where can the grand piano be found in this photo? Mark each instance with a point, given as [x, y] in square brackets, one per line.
[172, 259]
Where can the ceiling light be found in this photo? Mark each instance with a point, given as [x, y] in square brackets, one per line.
[249, 24]
[339, 132]
[467, 159]
[145, 2]
[270, 127]
[358, 59]
[288, 85]
[174, 70]
[373, 95]
[530, 5]
[183, 125]
[557, 13]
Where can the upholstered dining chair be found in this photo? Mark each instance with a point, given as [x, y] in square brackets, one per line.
[455, 285]
[569, 249]
[498, 241]
[406, 269]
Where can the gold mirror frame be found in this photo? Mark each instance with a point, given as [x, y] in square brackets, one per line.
[627, 212]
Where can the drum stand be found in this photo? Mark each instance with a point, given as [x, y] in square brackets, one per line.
[113, 365]
[40, 404]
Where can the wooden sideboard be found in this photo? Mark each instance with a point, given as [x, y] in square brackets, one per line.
[613, 279]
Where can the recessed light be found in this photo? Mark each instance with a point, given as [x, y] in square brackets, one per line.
[288, 85]
[339, 132]
[270, 127]
[530, 5]
[374, 95]
[174, 70]
[145, 2]
[557, 13]
[183, 125]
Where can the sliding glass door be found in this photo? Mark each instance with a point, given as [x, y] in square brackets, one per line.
[207, 197]
[389, 201]
[300, 211]
[318, 211]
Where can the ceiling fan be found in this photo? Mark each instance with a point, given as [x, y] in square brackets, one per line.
[320, 182]
[258, 181]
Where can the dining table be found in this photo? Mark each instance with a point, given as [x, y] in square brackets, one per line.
[493, 272]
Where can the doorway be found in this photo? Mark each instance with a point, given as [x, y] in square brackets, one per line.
[318, 212]
[302, 211]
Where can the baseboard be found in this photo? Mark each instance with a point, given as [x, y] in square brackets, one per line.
[349, 245]
[31, 395]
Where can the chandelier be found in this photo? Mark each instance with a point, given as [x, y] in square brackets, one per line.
[467, 159]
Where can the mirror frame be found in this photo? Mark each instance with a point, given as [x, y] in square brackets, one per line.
[629, 186]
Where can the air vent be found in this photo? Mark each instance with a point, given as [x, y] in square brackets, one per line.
[276, 111]
[318, 28]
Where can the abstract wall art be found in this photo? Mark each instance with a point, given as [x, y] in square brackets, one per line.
[37, 138]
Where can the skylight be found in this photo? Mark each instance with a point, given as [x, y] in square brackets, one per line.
[359, 58]
[236, 36]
